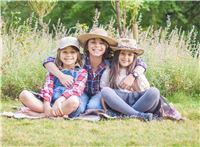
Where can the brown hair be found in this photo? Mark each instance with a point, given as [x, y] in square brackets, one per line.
[59, 63]
[115, 69]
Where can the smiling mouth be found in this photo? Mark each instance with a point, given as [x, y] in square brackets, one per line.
[125, 61]
[98, 50]
[68, 59]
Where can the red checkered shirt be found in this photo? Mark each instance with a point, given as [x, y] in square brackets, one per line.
[76, 89]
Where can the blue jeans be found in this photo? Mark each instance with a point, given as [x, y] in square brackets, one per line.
[81, 109]
[131, 103]
[86, 102]
[95, 102]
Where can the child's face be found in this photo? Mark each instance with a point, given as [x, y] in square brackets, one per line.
[96, 47]
[126, 58]
[68, 56]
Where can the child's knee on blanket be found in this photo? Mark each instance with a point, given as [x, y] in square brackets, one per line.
[23, 96]
[73, 102]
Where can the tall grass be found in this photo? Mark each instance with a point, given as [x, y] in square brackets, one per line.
[171, 67]
[24, 49]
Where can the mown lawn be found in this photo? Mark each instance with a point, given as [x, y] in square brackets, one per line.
[129, 132]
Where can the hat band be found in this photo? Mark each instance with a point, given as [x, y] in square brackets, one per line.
[123, 46]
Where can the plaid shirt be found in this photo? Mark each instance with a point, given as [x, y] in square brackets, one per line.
[93, 81]
[76, 89]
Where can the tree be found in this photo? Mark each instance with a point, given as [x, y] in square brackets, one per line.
[123, 8]
[42, 8]
[183, 14]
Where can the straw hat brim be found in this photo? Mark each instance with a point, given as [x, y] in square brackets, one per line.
[137, 51]
[85, 37]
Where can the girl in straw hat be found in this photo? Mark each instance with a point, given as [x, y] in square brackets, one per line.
[96, 46]
[56, 99]
[137, 104]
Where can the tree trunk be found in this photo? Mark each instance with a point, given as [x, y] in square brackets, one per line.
[118, 17]
[135, 31]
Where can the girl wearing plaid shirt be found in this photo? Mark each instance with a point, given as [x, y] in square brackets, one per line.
[56, 99]
[96, 44]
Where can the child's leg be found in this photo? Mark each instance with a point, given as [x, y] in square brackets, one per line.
[81, 109]
[70, 105]
[148, 101]
[95, 102]
[30, 101]
[116, 103]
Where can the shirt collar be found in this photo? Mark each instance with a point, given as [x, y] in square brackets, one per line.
[88, 64]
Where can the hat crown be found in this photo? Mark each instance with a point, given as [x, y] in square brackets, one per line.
[99, 31]
[69, 41]
[127, 43]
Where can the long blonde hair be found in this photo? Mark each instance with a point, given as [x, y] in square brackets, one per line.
[59, 63]
[115, 69]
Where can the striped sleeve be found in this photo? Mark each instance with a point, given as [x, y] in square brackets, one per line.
[79, 85]
[47, 91]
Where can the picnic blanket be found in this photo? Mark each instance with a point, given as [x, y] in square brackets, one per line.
[168, 112]
[90, 115]
[26, 113]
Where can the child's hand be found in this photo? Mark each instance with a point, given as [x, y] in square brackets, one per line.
[47, 109]
[66, 80]
[127, 82]
[57, 107]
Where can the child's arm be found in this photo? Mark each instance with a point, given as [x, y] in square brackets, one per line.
[47, 109]
[104, 81]
[57, 107]
[129, 80]
[79, 85]
[140, 63]
[47, 91]
[66, 80]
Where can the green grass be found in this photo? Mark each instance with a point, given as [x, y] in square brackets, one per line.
[129, 132]
[171, 68]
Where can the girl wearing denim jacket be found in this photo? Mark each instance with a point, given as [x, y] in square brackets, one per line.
[56, 99]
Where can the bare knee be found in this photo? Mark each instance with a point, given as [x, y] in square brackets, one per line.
[74, 102]
[23, 96]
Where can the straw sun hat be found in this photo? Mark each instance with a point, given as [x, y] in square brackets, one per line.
[97, 33]
[129, 45]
